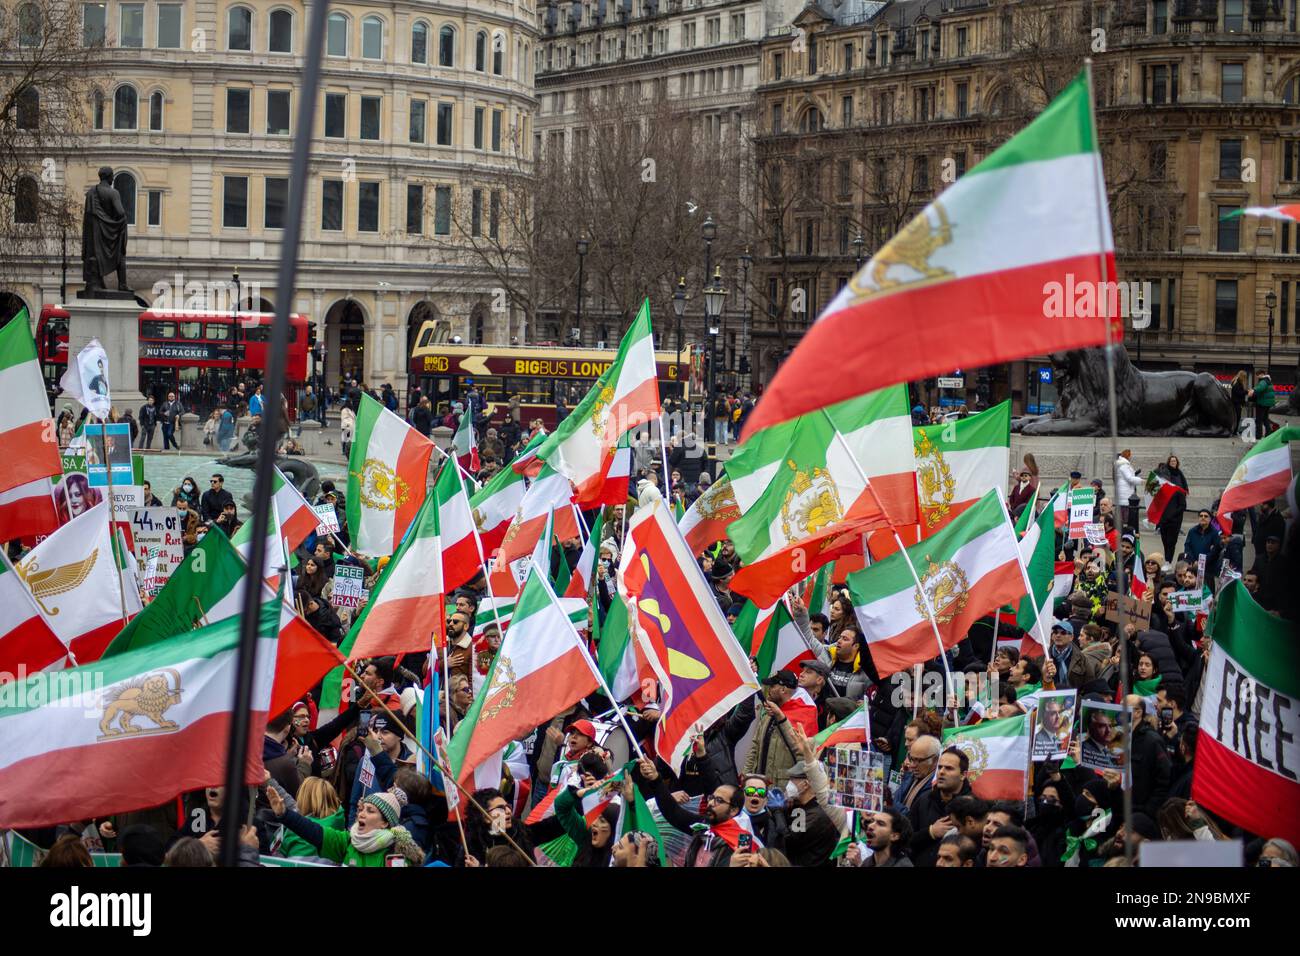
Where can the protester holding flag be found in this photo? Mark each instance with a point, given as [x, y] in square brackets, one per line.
[1169, 518]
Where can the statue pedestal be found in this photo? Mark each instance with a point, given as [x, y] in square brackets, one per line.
[116, 323]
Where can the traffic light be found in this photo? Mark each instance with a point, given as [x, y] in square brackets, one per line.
[311, 336]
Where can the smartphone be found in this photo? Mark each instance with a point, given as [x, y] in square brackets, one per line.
[744, 842]
[1166, 716]
[363, 724]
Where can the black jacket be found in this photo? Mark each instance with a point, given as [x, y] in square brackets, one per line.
[688, 461]
[687, 821]
[148, 415]
[1177, 506]
[812, 842]
[926, 809]
[1158, 645]
[211, 503]
[422, 419]
[718, 765]
[1151, 770]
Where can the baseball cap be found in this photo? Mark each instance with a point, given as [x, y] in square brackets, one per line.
[782, 679]
[799, 771]
[1065, 626]
[817, 666]
[583, 727]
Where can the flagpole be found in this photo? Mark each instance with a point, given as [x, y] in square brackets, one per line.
[591, 665]
[487, 574]
[664, 449]
[112, 532]
[241, 706]
[1114, 437]
[925, 597]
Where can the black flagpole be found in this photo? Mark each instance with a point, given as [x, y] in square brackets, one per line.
[237, 749]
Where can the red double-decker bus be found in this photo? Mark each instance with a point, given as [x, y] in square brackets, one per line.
[189, 352]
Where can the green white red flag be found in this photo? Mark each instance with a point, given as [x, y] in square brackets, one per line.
[1162, 492]
[549, 494]
[1263, 473]
[967, 570]
[802, 494]
[404, 613]
[957, 462]
[626, 395]
[464, 445]
[28, 510]
[461, 554]
[495, 504]
[1249, 743]
[1038, 551]
[706, 521]
[966, 283]
[783, 647]
[27, 432]
[853, 729]
[387, 474]
[89, 728]
[540, 669]
[297, 519]
[1289, 212]
[999, 755]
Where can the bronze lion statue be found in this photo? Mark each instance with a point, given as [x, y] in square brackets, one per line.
[1191, 404]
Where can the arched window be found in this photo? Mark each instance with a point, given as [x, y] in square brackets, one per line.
[27, 200]
[30, 25]
[97, 109]
[446, 47]
[336, 40]
[156, 110]
[372, 38]
[1289, 90]
[280, 31]
[125, 102]
[811, 121]
[498, 53]
[480, 52]
[420, 42]
[124, 183]
[29, 108]
[239, 29]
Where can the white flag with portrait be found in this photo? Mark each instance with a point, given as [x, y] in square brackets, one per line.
[86, 380]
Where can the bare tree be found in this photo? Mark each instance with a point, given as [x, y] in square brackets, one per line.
[45, 89]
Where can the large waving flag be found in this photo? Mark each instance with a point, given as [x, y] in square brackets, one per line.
[853, 729]
[627, 395]
[461, 558]
[540, 669]
[962, 285]
[79, 582]
[682, 633]
[957, 462]
[1263, 473]
[27, 432]
[707, 520]
[405, 609]
[617, 656]
[464, 445]
[160, 727]
[999, 755]
[802, 497]
[968, 569]
[387, 475]
[1162, 491]
[1249, 745]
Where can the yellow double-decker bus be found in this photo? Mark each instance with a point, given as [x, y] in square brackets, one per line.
[540, 375]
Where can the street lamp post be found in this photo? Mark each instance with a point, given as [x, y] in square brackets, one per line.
[583, 246]
[742, 360]
[714, 297]
[858, 243]
[710, 232]
[679, 310]
[1270, 300]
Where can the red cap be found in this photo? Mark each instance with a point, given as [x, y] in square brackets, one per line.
[583, 727]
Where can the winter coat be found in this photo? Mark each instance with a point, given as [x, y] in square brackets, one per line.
[335, 844]
[1161, 649]
[718, 765]
[1200, 542]
[1127, 483]
[771, 754]
[1265, 397]
[1089, 664]
[813, 838]
[295, 845]
[687, 821]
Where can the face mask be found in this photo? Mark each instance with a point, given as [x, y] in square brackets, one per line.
[791, 791]
[188, 486]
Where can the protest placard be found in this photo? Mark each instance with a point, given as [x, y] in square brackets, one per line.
[327, 519]
[349, 590]
[1095, 534]
[1128, 610]
[157, 530]
[857, 778]
[1103, 726]
[1082, 502]
[1054, 723]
